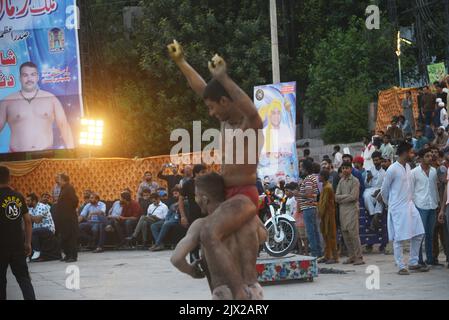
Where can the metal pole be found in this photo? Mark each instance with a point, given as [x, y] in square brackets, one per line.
[400, 71]
[446, 10]
[274, 43]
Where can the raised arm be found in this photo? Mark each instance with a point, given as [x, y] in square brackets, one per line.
[63, 124]
[218, 69]
[196, 82]
[161, 174]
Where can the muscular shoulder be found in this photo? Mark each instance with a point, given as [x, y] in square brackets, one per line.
[196, 226]
[238, 202]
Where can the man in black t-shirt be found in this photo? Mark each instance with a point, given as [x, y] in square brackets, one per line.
[172, 179]
[193, 212]
[15, 246]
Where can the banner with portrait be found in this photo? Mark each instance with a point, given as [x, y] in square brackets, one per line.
[277, 107]
[40, 80]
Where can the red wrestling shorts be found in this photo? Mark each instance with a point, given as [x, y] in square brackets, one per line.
[250, 191]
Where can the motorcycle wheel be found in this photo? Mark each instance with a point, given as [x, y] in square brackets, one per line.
[284, 246]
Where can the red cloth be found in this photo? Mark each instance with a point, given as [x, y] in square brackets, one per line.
[250, 191]
[132, 210]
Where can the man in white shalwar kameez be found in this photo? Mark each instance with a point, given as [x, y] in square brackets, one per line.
[373, 182]
[367, 153]
[404, 221]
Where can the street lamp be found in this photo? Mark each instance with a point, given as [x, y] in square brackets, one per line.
[399, 53]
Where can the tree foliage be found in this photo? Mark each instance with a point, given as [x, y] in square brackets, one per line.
[324, 46]
[349, 58]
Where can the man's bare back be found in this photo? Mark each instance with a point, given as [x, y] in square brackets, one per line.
[244, 257]
[31, 122]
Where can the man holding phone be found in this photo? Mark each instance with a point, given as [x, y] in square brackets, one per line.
[172, 179]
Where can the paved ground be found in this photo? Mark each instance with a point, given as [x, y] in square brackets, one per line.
[144, 275]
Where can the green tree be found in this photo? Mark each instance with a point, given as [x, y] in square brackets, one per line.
[147, 95]
[353, 57]
[348, 116]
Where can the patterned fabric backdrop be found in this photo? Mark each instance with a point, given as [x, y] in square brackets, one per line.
[390, 105]
[107, 177]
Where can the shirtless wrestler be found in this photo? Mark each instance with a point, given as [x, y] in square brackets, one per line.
[235, 110]
[30, 114]
[242, 244]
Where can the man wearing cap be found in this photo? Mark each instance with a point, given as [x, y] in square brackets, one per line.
[358, 164]
[440, 115]
[441, 138]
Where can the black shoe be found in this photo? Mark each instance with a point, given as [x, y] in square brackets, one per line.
[64, 259]
[71, 260]
[131, 241]
[436, 263]
[419, 268]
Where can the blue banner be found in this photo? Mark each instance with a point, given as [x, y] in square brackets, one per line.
[40, 80]
[277, 107]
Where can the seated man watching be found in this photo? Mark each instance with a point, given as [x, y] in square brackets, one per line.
[92, 222]
[86, 200]
[160, 229]
[127, 221]
[156, 212]
[243, 244]
[43, 225]
[145, 201]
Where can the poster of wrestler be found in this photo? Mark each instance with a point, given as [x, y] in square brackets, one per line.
[40, 81]
[277, 107]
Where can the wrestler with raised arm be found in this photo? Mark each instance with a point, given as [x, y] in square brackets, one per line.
[235, 110]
